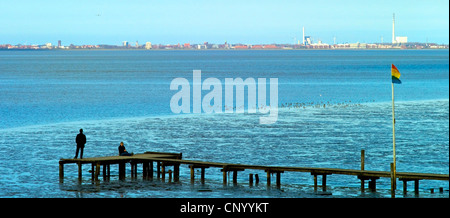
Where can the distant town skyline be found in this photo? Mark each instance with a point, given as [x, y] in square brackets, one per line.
[214, 21]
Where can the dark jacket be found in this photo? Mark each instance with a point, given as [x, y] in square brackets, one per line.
[81, 139]
[121, 149]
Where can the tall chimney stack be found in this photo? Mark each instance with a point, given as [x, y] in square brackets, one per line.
[393, 29]
[303, 35]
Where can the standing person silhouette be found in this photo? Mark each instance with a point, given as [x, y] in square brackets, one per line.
[80, 140]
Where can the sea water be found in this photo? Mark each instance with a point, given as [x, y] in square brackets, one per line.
[332, 105]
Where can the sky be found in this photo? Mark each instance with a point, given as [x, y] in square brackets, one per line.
[216, 21]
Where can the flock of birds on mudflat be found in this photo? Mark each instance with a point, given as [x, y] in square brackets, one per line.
[312, 104]
[322, 104]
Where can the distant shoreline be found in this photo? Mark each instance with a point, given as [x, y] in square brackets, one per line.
[279, 49]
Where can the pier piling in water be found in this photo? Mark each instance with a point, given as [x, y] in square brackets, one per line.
[202, 172]
[278, 177]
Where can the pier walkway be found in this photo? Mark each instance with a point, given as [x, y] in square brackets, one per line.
[164, 160]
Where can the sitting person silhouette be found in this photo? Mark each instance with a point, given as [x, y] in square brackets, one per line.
[123, 151]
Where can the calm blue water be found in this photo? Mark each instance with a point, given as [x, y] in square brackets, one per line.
[46, 96]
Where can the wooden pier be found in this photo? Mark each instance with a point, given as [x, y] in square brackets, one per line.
[164, 160]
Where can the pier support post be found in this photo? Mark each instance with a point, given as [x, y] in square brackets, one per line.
[133, 170]
[144, 170]
[106, 172]
[234, 177]
[250, 179]
[315, 182]
[92, 172]
[202, 175]
[132, 166]
[97, 171]
[372, 182]
[278, 177]
[163, 172]
[158, 169]
[235, 173]
[324, 180]
[80, 172]
[150, 170]
[176, 172]
[122, 171]
[416, 187]
[202, 172]
[405, 186]
[373, 185]
[362, 167]
[393, 179]
[224, 171]
[61, 172]
[362, 185]
[192, 173]
[170, 175]
[362, 159]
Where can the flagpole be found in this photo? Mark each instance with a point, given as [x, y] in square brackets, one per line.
[393, 140]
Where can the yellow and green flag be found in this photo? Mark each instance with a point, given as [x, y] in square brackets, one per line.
[395, 75]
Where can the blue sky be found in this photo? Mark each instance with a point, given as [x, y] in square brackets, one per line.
[216, 21]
